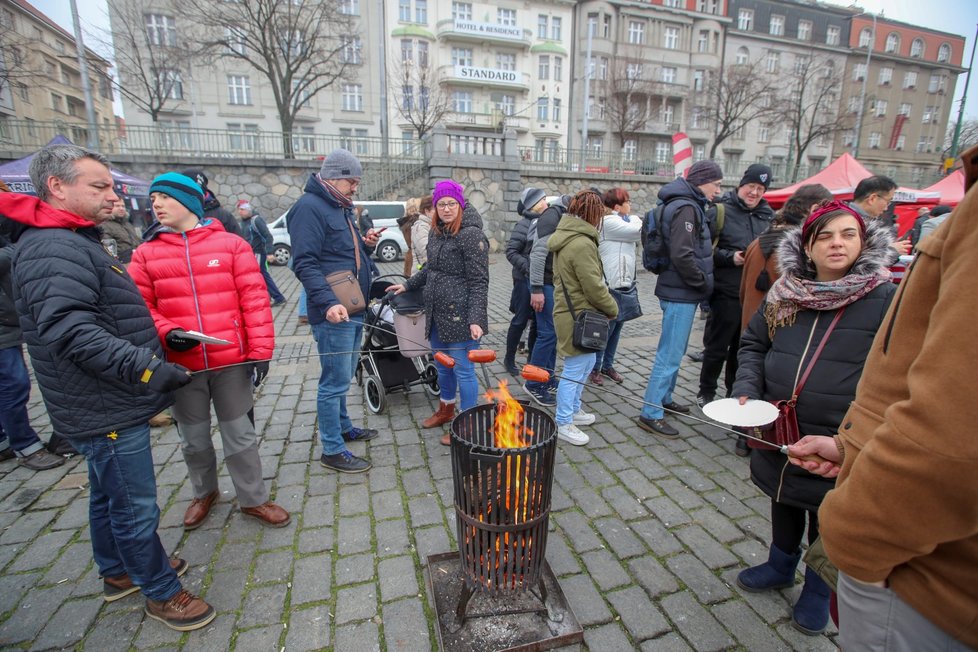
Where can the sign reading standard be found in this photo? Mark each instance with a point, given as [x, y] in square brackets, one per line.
[489, 29]
[488, 74]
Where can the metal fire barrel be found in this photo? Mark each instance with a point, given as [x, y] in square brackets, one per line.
[502, 500]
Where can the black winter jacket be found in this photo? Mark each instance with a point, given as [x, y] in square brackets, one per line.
[256, 232]
[88, 332]
[689, 276]
[741, 226]
[10, 334]
[518, 246]
[541, 259]
[767, 368]
[456, 280]
[213, 209]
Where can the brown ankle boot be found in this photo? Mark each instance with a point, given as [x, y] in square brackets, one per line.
[444, 414]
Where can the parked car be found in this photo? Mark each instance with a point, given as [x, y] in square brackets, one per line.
[390, 247]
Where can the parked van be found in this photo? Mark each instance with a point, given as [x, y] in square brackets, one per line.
[384, 214]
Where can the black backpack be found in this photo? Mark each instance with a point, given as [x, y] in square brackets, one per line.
[655, 255]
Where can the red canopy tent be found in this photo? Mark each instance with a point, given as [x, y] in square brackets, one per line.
[950, 188]
[948, 191]
[840, 177]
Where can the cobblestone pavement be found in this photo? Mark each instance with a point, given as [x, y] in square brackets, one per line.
[647, 535]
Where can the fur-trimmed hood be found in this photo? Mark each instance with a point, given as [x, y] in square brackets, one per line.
[874, 259]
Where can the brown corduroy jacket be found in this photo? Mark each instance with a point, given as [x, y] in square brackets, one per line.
[905, 507]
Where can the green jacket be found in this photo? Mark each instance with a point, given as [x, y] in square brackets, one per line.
[577, 266]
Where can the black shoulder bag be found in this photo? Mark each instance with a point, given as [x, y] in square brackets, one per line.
[590, 327]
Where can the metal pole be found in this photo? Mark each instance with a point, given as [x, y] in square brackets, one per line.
[862, 96]
[587, 92]
[964, 98]
[384, 127]
[83, 68]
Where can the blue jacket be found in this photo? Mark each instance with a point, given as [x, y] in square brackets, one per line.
[322, 244]
[689, 276]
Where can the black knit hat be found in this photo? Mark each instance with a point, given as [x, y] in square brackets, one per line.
[757, 173]
[703, 172]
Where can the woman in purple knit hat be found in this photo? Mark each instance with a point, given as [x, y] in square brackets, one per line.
[456, 295]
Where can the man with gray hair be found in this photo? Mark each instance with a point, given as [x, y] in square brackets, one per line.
[325, 239]
[97, 359]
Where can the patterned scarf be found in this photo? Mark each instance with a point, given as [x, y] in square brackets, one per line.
[791, 294]
[343, 200]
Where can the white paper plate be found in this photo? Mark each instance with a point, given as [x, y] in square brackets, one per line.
[732, 413]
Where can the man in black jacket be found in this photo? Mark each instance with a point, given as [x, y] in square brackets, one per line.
[96, 356]
[258, 236]
[746, 215]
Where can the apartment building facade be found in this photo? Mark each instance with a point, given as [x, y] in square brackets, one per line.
[40, 79]
[903, 78]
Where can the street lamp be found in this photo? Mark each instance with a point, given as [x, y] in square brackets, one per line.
[862, 95]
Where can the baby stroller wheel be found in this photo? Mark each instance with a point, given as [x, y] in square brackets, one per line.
[373, 394]
[431, 379]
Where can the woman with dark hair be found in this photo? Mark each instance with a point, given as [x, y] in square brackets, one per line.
[619, 232]
[578, 276]
[760, 258]
[827, 306]
[455, 279]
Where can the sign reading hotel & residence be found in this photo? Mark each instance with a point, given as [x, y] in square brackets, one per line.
[489, 29]
[486, 74]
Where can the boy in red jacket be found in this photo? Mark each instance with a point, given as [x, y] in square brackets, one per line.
[195, 276]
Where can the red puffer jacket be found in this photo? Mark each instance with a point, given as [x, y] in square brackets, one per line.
[206, 280]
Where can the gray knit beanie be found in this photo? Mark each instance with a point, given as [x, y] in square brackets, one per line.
[341, 164]
[704, 172]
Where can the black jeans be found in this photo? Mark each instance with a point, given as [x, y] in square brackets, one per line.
[788, 526]
[721, 341]
[519, 305]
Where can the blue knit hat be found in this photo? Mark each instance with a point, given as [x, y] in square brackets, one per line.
[182, 188]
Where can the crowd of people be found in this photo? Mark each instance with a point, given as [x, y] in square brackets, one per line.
[120, 326]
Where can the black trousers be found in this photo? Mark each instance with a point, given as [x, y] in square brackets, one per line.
[788, 526]
[519, 305]
[721, 340]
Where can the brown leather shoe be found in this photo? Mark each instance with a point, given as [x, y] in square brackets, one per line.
[444, 414]
[41, 460]
[269, 514]
[198, 510]
[183, 612]
[595, 378]
[116, 588]
[612, 374]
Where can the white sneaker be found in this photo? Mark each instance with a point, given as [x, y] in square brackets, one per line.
[572, 434]
[582, 418]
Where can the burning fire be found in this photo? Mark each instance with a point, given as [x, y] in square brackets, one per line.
[509, 430]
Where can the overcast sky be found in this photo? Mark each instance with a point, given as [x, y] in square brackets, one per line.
[955, 16]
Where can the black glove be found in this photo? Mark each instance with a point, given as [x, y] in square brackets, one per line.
[176, 341]
[167, 377]
[259, 373]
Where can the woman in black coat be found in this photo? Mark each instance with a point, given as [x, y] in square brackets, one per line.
[456, 296]
[834, 263]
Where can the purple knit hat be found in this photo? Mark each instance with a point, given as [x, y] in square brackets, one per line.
[448, 188]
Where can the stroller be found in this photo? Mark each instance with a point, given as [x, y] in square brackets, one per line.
[394, 355]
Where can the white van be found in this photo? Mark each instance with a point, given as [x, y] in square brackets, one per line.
[384, 214]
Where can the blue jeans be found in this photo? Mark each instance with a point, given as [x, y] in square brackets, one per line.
[461, 378]
[677, 322]
[123, 515]
[15, 389]
[545, 348]
[303, 310]
[273, 290]
[339, 348]
[576, 368]
[606, 359]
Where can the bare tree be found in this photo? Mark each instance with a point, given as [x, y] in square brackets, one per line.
[15, 65]
[743, 93]
[420, 99]
[966, 139]
[300, 46]
[149, 60]
[810, 110]
[628, 93]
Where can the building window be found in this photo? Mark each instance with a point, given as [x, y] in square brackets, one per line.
[703, 41]
[772, 62]
[57, 103]
[865, 37]
[671, 38]
[235, 40]
[239, 89]
[506, 17]
[801, 65]
[886, 76]
[892, 42]
[944, 53]
[352, 95]
[556, 28]
[543, 26]
[667, 74]
[543, 67]
[745, 19]
[804, 30]
[404, 11]
[543, 109]
[859, 72]
[699, 152]
[350, 7]
[595, 145]
[910, 80]
[242, 136]
[629, 150]
[461, 56]
[506, 61]
[505, 104]
[462, 11]
[906, 109]
[606, 26]
[161, 30]
[173, 85]
[917, 48]
[777, 25]
[407, 97]
[556, 109]
[603, 68]
[558, 68]
[901, 142]
[699, 77]
[742, 56]
[663, 152]
[352, 49]
[936, 84]
[633, 71]
[303, 139]
[874, 139]
[675, 4]
[421, 11]
[462, 101]
[832, 34]
[930, 114]
[707, 6]
[763, 134]
[636, 32]
[881, 107]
